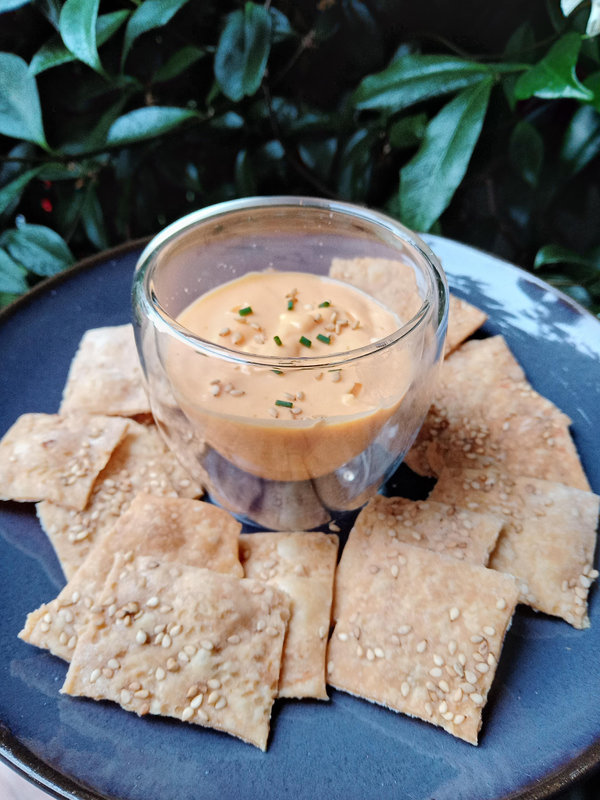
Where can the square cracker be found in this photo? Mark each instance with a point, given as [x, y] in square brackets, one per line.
[390, 281]
[386, 521]
[302, 565]
[393, 283]
[536, 443]
[463, 320]
[184, 642]
[486, 413]
[105, 376]
[58, 458]
[141, 463]
[465, 380]
[548, 538]
[424, 641]
[169, 529]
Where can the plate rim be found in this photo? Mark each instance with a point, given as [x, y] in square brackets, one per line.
[32, 768]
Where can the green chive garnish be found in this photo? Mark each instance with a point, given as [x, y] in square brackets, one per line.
[322, 338]
[324, 304]
[306, 342]
[243, 312]
[284, 403]
[277, 341]
[277, 371]
[290, 305]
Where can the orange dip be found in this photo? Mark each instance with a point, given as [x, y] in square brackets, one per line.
[288, 422]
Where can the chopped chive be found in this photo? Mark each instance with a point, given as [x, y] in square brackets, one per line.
[306, 342]
[277, 371]
[290, 305]
[322, 338]
[324, 304]
[284, 403]
[277, 341]
[243, 312]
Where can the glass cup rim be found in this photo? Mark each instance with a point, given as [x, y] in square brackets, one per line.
[162, 320]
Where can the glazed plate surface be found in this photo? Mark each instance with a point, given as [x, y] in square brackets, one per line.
[541, 725]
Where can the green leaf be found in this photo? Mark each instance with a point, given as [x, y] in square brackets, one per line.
[147, 123]
[554, 76]
[37, 248]
[93, 135]
[583, 269]
[179, 62]
[357, 165]
[557, 254]
[243, 51]
[408, 131]
[410, 79]
[13, 190]
[51, 54]
[10, 5]
[57, 171]
[318, 155]
[581, 143]
[280, 26]
[50, 9]
[521, 43]
[229, 121]
[520, 47]
[149, 15]
[54, 53]
[593, 23]
[429, 180]
[592, 82]
[12, 275]
[77, 25]
[20, 111]
[92, 219]
[526, 150]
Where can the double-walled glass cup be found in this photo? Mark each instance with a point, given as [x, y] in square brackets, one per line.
[269, 463]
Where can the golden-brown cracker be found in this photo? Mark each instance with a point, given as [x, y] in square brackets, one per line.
[536, 444]
[393, 283]
[463, 320]
[422, 635]
[105, 376]
[485, 413]
[302, 565]
[465, 380]
[169, 529]
[184, 642]
[141, 463]
[57, 458]
[387, 521]
[547, 541]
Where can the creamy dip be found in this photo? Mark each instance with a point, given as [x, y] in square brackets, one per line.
[287, 422]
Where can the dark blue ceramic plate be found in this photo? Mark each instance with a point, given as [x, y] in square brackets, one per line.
[542, 723]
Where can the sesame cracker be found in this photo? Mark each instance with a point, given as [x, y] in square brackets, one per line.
[141, 462]
[105, 376]
[405, 642]
[57, 458]
[547, 540]
[387, 521]
[302, 565]
[170, 529]
[219, 671]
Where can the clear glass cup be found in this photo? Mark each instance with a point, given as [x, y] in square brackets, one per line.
[286, 473]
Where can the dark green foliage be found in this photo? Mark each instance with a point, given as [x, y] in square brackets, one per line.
[117, 117]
